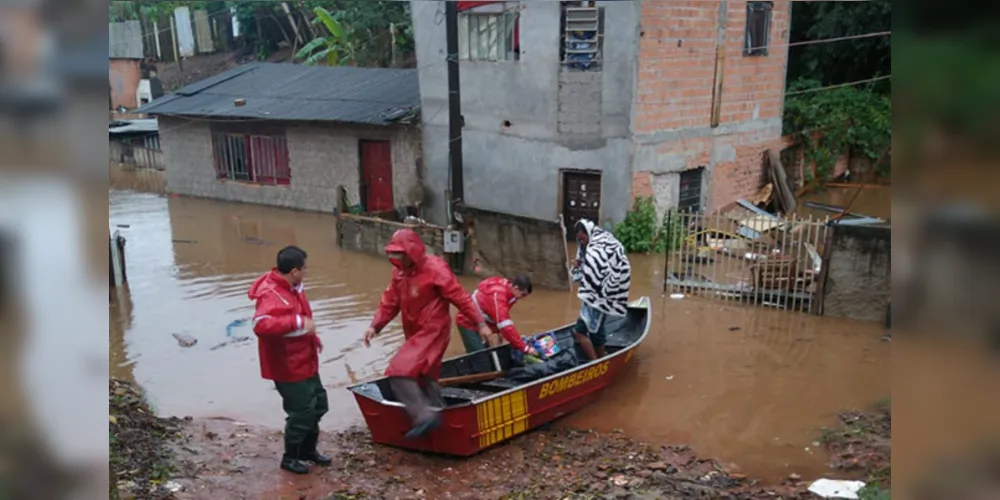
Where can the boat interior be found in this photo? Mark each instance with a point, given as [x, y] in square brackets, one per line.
[622, 333]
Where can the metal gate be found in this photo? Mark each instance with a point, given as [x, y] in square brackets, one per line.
[581, 198]
[746, 256]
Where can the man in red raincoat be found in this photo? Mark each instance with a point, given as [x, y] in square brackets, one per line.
[289, 355]
[422, 288]
[495, 296]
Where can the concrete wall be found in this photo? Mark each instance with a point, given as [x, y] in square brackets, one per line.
[673, 103]
[370, 235]
[510, 245]
[124, 76]
[322, 157]
[557, 120]
[859, 283]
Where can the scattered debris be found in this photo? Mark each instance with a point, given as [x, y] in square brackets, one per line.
[557, 463]
[184, 340]
[139, 458]
[235, 324]
[784, 196]
[863, 442]
[836, 488]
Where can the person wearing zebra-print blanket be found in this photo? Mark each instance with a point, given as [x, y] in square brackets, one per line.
[604, 274]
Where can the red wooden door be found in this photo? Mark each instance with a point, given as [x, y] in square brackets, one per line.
[376, 175]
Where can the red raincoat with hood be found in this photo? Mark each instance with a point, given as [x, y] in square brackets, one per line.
[287, 352]
[422, 293]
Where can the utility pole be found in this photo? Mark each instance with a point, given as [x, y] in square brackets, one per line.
[454, 107]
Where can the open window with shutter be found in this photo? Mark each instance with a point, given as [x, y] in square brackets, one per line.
[583, 35]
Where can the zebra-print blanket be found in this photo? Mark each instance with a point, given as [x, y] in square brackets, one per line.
[605, 274]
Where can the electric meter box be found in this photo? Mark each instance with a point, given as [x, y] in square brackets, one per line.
[453, 241]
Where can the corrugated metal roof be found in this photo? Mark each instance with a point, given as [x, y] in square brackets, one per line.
[133, 126]
[296, 92]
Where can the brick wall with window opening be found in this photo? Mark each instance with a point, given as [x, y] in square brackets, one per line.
[582, 36]
[250, 153]
[489, 32]
[757, 37]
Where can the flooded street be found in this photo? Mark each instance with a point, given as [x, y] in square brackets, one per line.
[748, 386]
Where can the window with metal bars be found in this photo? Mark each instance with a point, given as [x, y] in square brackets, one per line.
[758, 30]
[582, 35]
[489, 32]
[251, 157]
[690, 190]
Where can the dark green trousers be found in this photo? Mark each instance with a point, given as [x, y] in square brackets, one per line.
[305, 404]
[471, 340]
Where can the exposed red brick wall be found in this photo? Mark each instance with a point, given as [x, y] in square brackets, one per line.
[677, 58]
[642, 184]
[124, 76]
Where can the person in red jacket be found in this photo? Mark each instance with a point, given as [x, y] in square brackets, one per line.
[422, 288]
[495, 296]
[289, 355]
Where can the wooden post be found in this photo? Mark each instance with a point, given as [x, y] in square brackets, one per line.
[156, 39]
[116, 263]
[720, 64]
[173, 39]
[819, 294]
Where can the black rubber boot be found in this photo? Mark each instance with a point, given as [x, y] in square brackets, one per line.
[291, 462]
[310, 454]
[423, 428]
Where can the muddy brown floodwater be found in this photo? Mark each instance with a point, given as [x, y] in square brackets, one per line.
[874, 201]
[750, 387]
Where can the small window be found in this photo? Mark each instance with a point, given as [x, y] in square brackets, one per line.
[582, 36]
[758, 32]
[489, 32]
[690, 191]
[251, 157]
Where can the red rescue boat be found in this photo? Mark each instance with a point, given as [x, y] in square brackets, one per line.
[480, 414]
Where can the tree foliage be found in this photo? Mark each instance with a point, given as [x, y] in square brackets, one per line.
[330, 47]
[373, 33]
[364, 33]
[852, 119]
[847, 60]
[832, 122]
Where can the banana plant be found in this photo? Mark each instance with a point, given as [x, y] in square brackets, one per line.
[330, 48]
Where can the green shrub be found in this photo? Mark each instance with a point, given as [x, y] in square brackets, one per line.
[639, 232]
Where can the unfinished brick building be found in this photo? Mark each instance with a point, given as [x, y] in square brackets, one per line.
[709, 97]
[578, 107]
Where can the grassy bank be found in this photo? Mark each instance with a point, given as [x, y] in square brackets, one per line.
[862, 445]
[140, 461]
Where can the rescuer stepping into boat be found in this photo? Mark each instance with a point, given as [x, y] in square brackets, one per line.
[495, 296]
[603, 271]
[421, 288]
[289, 355]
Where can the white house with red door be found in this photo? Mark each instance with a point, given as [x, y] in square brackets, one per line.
[293, 136]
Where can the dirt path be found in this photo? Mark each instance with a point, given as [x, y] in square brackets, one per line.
[181, 459]
[231, 459]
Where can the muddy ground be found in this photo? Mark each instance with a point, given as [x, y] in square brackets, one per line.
[862, 443]
[219, 458]
[140, 460]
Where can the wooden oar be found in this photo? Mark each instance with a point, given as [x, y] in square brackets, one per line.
[470, 379]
